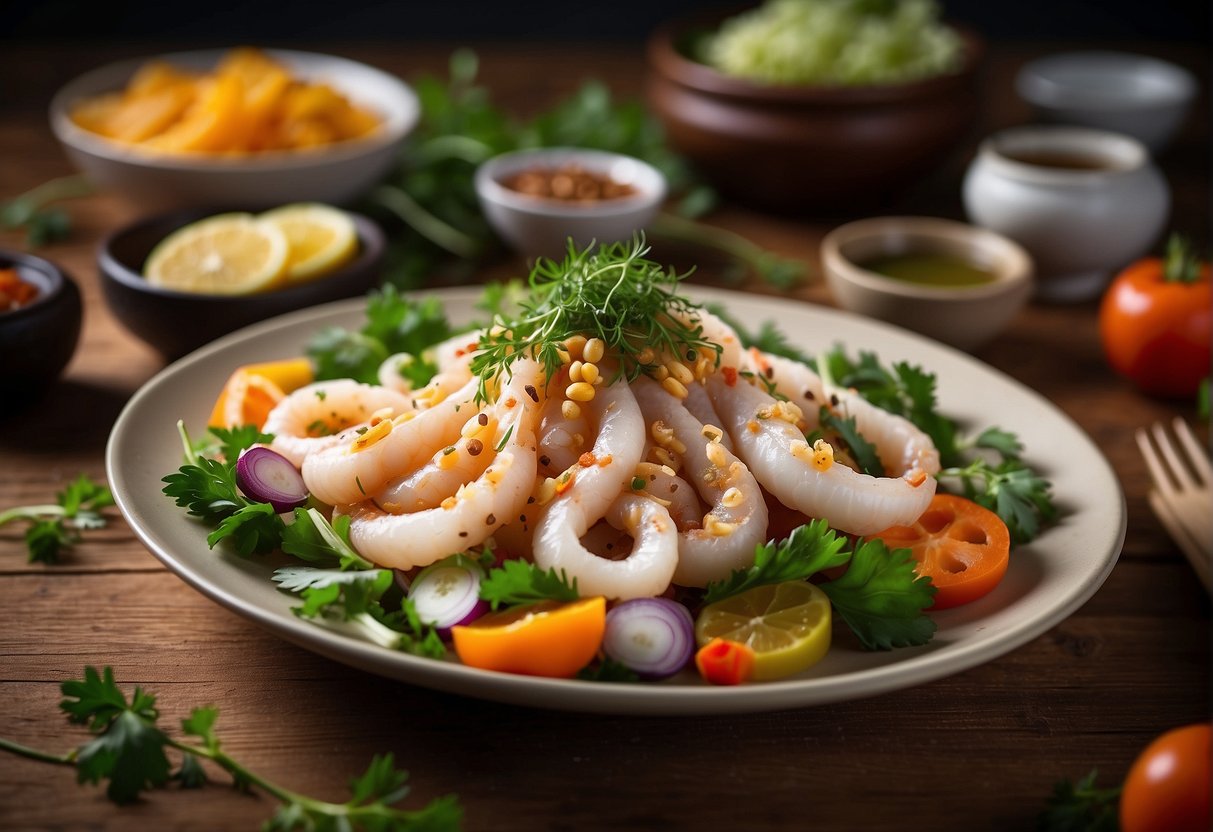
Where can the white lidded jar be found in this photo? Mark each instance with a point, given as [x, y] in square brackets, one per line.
[1085, 203]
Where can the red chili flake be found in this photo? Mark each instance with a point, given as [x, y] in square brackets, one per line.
[586, 459]
[730, 376]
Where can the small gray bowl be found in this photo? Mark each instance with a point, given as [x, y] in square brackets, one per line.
[177, 322]
[535, 226]
[1137, 95]
[965, 317]
[37, 340]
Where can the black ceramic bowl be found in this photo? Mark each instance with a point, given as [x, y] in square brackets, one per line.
[177, 322]
[37, 340]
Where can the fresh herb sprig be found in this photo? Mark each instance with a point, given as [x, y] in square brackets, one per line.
[1080, 807]
[518, 582]
[879, 596]
[56, 527]
[613, 292]
[1006, 485]
[129, 751]
[31, 210]
[394, 324]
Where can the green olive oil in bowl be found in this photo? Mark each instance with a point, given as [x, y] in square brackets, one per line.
[926, 268]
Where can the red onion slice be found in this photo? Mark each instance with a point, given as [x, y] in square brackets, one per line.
[653, 636]
[268, 477]
[447, 594]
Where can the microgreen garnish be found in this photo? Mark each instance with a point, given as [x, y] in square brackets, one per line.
[518, 582]
[879, 597]
[610, 292]
[55, 527]
[129, 750]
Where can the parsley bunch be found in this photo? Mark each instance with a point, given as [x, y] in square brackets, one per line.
[129, 751]
[56, 527]
[879, 596]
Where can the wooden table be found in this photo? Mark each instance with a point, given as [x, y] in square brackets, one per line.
[979, 750]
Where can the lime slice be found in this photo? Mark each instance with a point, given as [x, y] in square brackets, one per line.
[322, 238]
[786, 625]
[228, 254]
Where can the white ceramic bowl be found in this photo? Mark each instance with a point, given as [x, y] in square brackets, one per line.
[333, 174]
[1080, 225]
[963, 316]
[536, 226]
[1137, 95]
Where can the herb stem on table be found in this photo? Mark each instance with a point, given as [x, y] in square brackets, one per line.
[771, 268]
[54, 528]
[30, 210]
[128, 750]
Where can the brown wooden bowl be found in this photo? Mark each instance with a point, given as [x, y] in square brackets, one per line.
[805, 147]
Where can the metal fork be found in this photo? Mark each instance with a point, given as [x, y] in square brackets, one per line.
[1182, 496]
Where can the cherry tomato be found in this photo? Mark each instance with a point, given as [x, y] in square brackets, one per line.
[1167, 789]
[961, 546]
[1155, 323]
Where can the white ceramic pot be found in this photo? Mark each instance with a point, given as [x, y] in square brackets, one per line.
[1080, 224]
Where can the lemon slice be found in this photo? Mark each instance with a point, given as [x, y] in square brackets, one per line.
[322, 239]
[228, 254]
[786, 625]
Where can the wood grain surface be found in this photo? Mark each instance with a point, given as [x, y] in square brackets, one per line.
[979, 750]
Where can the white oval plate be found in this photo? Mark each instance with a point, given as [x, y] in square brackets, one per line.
[1046, 582]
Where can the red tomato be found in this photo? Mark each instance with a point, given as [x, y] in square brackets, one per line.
[1167, 789]
[724, 662]
[1155, 323]
[959, 545]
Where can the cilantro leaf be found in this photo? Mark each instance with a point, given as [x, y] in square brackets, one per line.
[232, 441]
[882, 599]
[45, 539]
[518, 582]
[128, 749]
[56, 527]
[1007, 444]
[312, 538]
[394, 324]
[191, 775]
[1012, 490]
[861, 450]
[253, 529]
[1080, 807]
[201, 724]
[809, 549]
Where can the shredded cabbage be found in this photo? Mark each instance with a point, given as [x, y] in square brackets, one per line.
[844, 42]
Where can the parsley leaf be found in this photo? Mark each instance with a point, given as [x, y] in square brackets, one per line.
[1080, 807]
[518, 582]
[769, 337]
[129, 748]
[232, 441]
[809, 549]
[254, 529]
[1010, 489]
[54, 528]
[394, 324]
[861, 450]
[312, 538]
[208, 490]
[882, 599]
